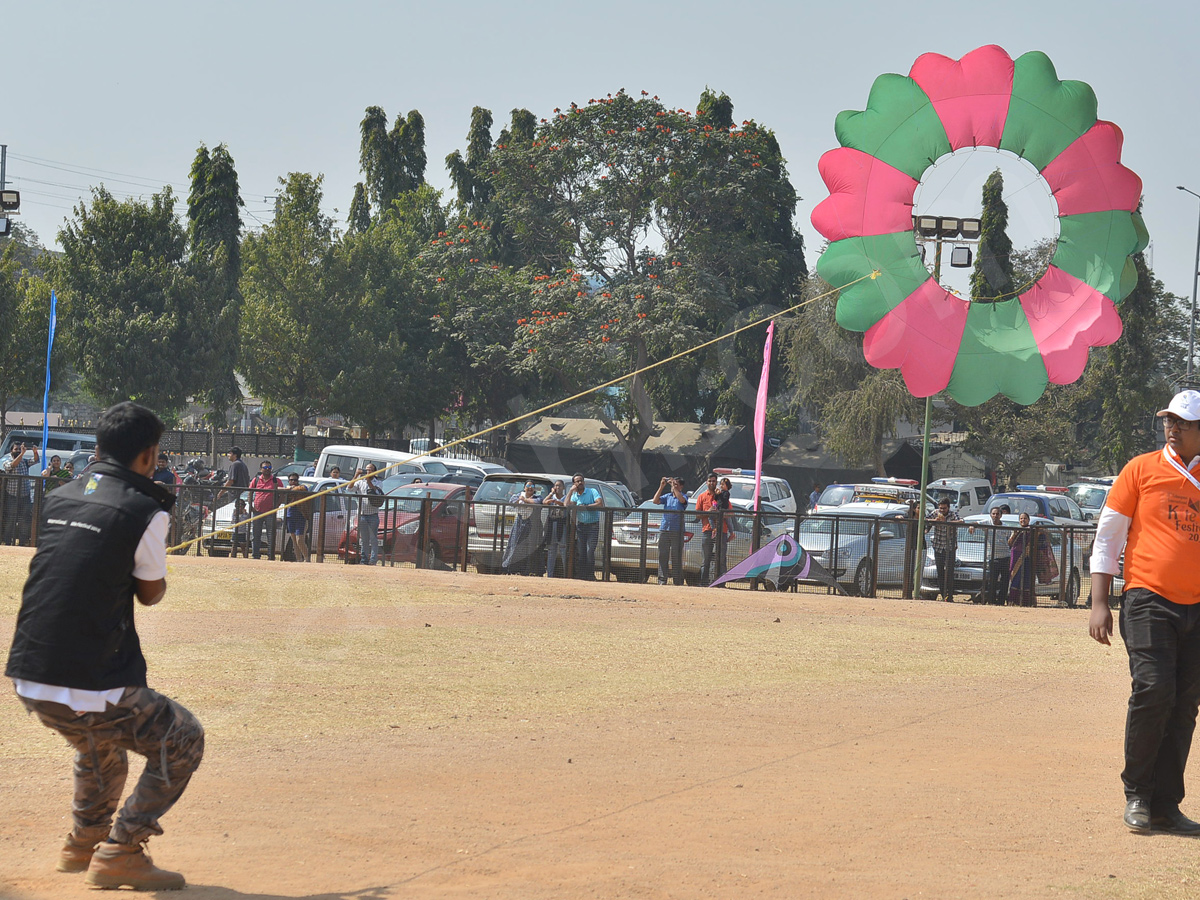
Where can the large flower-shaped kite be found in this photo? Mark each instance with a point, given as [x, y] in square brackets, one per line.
[940, 341]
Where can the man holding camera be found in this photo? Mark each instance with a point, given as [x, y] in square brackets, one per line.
[18, 504]
[944, 540]
[674, 500]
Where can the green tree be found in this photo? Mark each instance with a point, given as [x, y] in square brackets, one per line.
[392, 162]
[856, 404]
[359, 218]
[294, 327]
[24, 327]
[25, 248]
[1125, 383]
[396, 369]
[992, 277]
[214, 232]
[129, 300]
[651, 228]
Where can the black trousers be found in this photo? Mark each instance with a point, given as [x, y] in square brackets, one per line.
[670, 555]
[944, 560]
[995, 586]
[1163, 642]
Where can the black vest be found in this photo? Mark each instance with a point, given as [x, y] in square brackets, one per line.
[75, 628]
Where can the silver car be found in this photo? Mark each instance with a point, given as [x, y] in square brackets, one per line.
[862, 545]
[627, 538]
[972, 548]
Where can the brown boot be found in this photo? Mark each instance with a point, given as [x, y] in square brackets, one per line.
[128, 865]
[77, 852]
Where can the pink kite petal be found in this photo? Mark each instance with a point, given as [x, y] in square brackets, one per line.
[1067, 317]
[866, 196]
[920, 337]
[970, 95]
[1088, 176]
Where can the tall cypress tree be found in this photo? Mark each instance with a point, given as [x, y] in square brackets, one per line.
[993, 275]
[215, 258]
[393, 162]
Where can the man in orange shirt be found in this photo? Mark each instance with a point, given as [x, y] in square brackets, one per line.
[1153, 511]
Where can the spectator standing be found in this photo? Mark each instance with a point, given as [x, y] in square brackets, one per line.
[997, 556]
[556, 529]
[944, 540]
[714, 527]
[586, 500]
[70, 469]
[1151, 512]
[163, 473]
[674, 500]
[54, 475]
[371, 498]
[295, 518]
[1022, 561]
[815, 496]
[18, 504]
[240, 515]
[263, 499]
[77, 664]
[238, 476]
[526, 536]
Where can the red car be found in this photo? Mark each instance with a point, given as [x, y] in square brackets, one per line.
[400, 523]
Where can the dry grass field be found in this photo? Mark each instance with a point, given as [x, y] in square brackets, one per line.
[392, 733]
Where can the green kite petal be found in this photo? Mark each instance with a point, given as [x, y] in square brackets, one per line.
[899, 126]
[1094, 247]
[998, 355]
[864, 303]
[1045, 115]
[1143, 233]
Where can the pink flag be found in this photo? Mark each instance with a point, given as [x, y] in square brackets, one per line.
[760, 413]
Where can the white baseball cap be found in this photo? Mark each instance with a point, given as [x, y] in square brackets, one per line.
[1184, 405]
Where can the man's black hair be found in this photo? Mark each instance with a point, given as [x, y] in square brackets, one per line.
[236, 451]
[1005, 508]
[126, 430]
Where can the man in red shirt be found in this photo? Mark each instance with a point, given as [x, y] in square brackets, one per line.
[1153, 512]
[714, 538]
[264, 500]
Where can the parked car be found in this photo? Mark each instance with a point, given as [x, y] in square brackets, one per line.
[771, 489]
[969, 560]
[1090, 495]
[60, 443]
[967, 496]
[893, 490]
[219, 528]
[627, 537]
[1057, 507]
[400, 522]
[492, 516]
[862, 545]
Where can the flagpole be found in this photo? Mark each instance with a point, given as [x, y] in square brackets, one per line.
[920, 541]
[46, 393]
[760, 414]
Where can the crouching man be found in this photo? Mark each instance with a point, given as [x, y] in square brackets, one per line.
[77, 663]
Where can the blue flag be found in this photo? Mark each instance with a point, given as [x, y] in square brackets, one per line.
[46, 395]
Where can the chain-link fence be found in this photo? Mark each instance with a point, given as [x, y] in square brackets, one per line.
[437, 526]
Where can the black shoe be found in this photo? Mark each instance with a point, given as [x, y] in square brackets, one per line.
[1172, 821]
[1137, 816]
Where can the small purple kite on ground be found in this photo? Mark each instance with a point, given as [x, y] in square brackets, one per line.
[780, 562]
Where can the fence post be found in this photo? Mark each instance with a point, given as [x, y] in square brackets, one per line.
[321, 506]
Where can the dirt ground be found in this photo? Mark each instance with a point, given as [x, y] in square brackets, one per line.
[393, 733]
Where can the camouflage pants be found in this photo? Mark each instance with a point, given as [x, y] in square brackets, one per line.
[149, 724]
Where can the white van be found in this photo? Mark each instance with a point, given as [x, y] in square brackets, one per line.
[967, 496]
[350, 458]
[772, 490]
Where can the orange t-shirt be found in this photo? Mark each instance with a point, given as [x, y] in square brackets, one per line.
[1162, 552]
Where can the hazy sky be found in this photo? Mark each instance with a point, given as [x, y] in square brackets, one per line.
[123, 93]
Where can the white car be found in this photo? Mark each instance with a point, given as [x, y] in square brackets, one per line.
[862, 545]
[775, 491]
[1090, 495]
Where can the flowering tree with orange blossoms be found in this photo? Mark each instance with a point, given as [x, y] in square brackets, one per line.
[646, 230]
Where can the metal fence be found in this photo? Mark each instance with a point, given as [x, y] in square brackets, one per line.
[440, 528]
